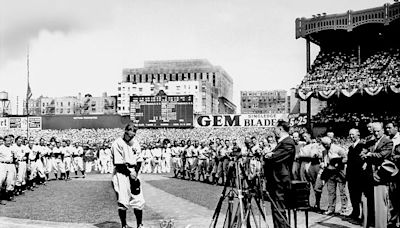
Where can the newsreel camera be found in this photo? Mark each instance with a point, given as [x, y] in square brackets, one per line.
[247, 193]
[246, 203]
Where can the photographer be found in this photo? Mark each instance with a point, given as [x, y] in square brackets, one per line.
[277, 168]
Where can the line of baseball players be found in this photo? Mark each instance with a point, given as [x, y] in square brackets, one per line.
[205, 161]
[25, 163]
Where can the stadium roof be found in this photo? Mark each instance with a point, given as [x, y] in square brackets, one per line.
[348, 28]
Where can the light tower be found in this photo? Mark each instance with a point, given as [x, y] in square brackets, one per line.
[4, 103]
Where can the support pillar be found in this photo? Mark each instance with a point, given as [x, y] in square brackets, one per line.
[359, 54]
[308, 67]
[308, 55]
[309, 115]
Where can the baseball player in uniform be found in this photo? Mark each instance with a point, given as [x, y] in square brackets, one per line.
[146, 159]
[107, 151]
[103, 160]
[51, 162]
[176, 160]
[20, 154]
[45, 154]
[7, 168]
[167, 155]
[156, 151]
[59, 161]
[125, 176]
[202, 162]
[67, 155]
[35, 164]
[77, 159]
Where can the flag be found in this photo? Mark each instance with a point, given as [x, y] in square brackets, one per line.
[28, 93]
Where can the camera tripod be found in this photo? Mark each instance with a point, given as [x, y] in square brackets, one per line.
[242, 193]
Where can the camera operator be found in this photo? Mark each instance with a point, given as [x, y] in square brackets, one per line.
[277, 168]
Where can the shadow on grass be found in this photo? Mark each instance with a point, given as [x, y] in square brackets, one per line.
[108, 224]
[331, 225]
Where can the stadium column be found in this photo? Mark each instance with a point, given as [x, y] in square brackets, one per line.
[308, 58]
[309, 115]
[308, 67]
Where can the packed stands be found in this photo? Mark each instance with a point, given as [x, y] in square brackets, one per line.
[343, 70]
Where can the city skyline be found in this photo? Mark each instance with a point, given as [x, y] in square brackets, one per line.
[84, 46]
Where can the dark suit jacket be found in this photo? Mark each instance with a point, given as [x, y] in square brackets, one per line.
[278, 167]
[354, 162]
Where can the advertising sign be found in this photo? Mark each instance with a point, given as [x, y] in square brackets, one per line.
[240, 120]
[35, 123]
[4, 123]
[298, 119]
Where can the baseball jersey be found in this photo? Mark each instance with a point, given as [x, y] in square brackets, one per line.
[44, 151]
[57, 152]
[156, 152]
[102, 154]
[33, 152]
[6, 154]
[19, 152]
[167, 152]
[66, 151]
[123, 153]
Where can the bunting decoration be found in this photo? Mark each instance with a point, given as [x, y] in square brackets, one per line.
[327, 93]
[395, 88]
[349, 92]
[304, 96]
[373, 90]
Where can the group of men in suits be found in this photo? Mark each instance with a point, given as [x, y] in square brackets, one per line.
[372, 175]
[369, 167]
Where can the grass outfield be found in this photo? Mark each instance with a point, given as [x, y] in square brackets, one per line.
[208, 195]
[78, 201]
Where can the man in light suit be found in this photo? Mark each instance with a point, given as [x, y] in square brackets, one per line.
[278, 167]
[380, 151]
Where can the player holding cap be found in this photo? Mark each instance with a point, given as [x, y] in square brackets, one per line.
[126, 184]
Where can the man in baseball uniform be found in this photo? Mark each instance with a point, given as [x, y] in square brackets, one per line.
[147, 156]
[67, 155]
[59, 160]
[107, 151]
[125, 177]
[7, 168]
[20, 154]
[77, 156]
[34, 163]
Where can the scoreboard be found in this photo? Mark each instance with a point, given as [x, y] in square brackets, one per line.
[162, 110]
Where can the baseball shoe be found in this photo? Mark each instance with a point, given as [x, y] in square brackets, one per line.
[329, 212]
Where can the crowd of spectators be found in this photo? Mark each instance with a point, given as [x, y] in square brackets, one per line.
[332, 115]
[343, 70]
[99, 136]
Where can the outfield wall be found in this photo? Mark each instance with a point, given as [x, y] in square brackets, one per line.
[60, 122]
[79, 122]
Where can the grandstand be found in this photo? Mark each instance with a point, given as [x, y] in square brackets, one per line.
[357, 70]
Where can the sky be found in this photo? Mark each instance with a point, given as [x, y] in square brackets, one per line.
[83, 45]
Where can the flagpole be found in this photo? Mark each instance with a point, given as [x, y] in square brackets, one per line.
[27, 96]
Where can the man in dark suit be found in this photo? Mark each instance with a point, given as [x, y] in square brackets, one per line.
[278, 167]
[354, 168]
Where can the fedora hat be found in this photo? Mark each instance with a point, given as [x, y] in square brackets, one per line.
[387, 170]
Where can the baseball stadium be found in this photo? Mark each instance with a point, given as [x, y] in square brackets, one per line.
[176, 167]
